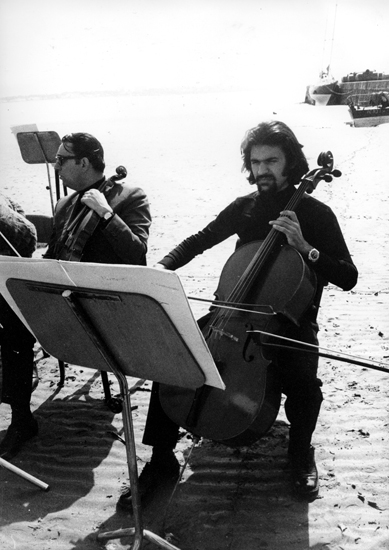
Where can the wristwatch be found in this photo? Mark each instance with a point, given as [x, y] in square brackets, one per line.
[313, 255]
[108, 215]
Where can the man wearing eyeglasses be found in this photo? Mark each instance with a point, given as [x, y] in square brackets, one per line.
[122, 220]
[118, 235]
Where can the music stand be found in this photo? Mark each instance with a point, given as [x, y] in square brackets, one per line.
[41, 148]
[107, 326]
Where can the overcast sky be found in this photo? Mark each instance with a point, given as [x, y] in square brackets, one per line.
[48, 46]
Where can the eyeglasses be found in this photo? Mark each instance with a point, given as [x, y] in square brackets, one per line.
[61, 159]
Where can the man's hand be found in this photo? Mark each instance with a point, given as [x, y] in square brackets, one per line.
[289, 225]
[96, 201]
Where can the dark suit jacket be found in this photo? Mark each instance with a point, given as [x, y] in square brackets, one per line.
[121, 240]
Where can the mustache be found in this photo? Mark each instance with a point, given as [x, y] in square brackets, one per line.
[258, 179]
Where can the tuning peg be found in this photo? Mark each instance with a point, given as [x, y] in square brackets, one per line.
[336, 173]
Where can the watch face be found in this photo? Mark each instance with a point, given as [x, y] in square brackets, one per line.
[313, 255]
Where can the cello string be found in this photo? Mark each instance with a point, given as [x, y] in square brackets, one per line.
[251, 272]
[260, 258]
[257, 262]
[247, 279]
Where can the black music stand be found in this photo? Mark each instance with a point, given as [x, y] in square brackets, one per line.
[108, 330]
[41, 148]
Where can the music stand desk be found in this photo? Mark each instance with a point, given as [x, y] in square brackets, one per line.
[130, 320]
[40, 148]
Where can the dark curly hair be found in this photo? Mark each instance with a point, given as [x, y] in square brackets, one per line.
[275, 133]
[86, 145]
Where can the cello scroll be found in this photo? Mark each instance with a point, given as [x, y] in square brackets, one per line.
[326, 172]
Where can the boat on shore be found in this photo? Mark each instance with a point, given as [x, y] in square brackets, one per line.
[324, 92]
[373, 113]
[359, 87]
[329, 91]
[355, 87]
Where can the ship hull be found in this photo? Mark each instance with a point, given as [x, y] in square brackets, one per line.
[322, 94]
[368, 116]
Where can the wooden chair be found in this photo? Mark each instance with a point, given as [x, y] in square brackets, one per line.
[43, 225]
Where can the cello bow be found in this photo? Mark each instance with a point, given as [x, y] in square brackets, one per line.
[327, 353]
[343, 357]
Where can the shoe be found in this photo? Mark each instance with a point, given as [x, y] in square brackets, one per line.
[305, 477]
[16, 436]
[157, 472]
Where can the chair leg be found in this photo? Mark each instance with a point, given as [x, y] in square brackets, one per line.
[107, 389]
[61, 382]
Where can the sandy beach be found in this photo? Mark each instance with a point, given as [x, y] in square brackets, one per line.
[183, 150]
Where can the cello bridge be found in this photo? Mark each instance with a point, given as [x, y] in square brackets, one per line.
[222, 332]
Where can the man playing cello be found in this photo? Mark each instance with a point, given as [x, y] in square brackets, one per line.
[275, 163]
[101, 222]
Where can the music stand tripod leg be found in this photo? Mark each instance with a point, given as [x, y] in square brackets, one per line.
[23, 474]
[105, 352]
[132, 468]
[50, 188]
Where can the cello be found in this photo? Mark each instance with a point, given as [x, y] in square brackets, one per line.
[81, 229]
[262, 283]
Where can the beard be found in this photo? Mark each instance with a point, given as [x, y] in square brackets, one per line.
[267, 185]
